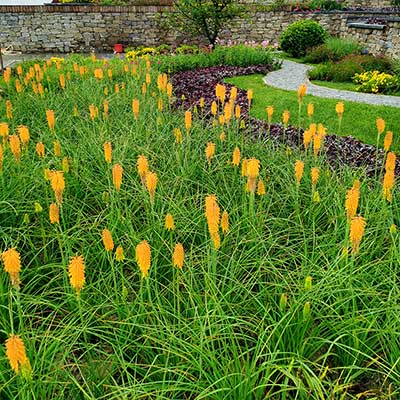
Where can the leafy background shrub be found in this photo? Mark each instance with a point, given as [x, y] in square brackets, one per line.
[301, 35]
[334, 49]
[344, 70]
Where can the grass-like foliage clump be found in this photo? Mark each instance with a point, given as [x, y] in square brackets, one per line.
[153, 254]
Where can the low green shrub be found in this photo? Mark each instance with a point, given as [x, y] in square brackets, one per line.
[376, 82]
[334, 49]
[302, 35]
[337, 72]
[345, 69]
[377, 63]
[187, 49]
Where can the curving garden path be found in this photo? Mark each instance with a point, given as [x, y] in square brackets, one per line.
[293, 74]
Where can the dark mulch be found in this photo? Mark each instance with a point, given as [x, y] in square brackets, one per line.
[339, 150]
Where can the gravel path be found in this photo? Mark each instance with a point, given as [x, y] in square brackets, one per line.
[293, 74]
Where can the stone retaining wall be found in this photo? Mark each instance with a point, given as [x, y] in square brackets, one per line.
[66, 28]
[269, 26]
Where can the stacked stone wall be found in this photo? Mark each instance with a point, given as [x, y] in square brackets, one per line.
[86, 28]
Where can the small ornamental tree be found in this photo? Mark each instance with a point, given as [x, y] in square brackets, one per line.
[203, 17]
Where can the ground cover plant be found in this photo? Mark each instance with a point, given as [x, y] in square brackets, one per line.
[155, 251]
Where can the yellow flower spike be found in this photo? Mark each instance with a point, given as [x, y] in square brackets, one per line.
[119, 254]
[169, 222]
[237, 111]
[116, 87]
[222, 137]
[301, 92]
[65, 165]
[57, 184]
[298, 170]
[317, 143]
[117, 171]
[54, 213]
[18, 86]
[16, 355]
[388, 141]
[93, 112]
[188, 120]
[169, 89]
[380, 125]
[107, 148]
[178, 135]
[233, 94]
[210, 151]
[340, 109]
[357, 227]
[390, 161]
[236, 157]
[321, 130]
[227, 112]
[212, 214]
[76, 271]
[393, 229]
[314, 176]
[15, 146]
[40, 149]
[142, 167]
[160, 104]
[75, 112]
[261, 188]
[310, 110]
[151, 183]
[143, 257]
[148, 79]
[307, 138]
[225, 222]
[253, 169]
[270, 112]
[9, 109]
[201, 102]
[388, 182]
[352, 199]
[221, 119]
[4, 130]
[107, 240]
[285, 117]
[178, 256]
[24, 134]
[313, 130]
[12, 265]
[62, 81]
[105, 108]
[144, 88]
[51, 121]
[316, 198]
[109, 73]
[250, 95]
[57, 148]
[135, 108]
[220, 92]
[214, 108]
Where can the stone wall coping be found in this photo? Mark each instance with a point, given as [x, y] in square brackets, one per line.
[73, 8]
[161, 4]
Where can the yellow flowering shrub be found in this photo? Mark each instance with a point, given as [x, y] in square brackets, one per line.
[375, 82]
